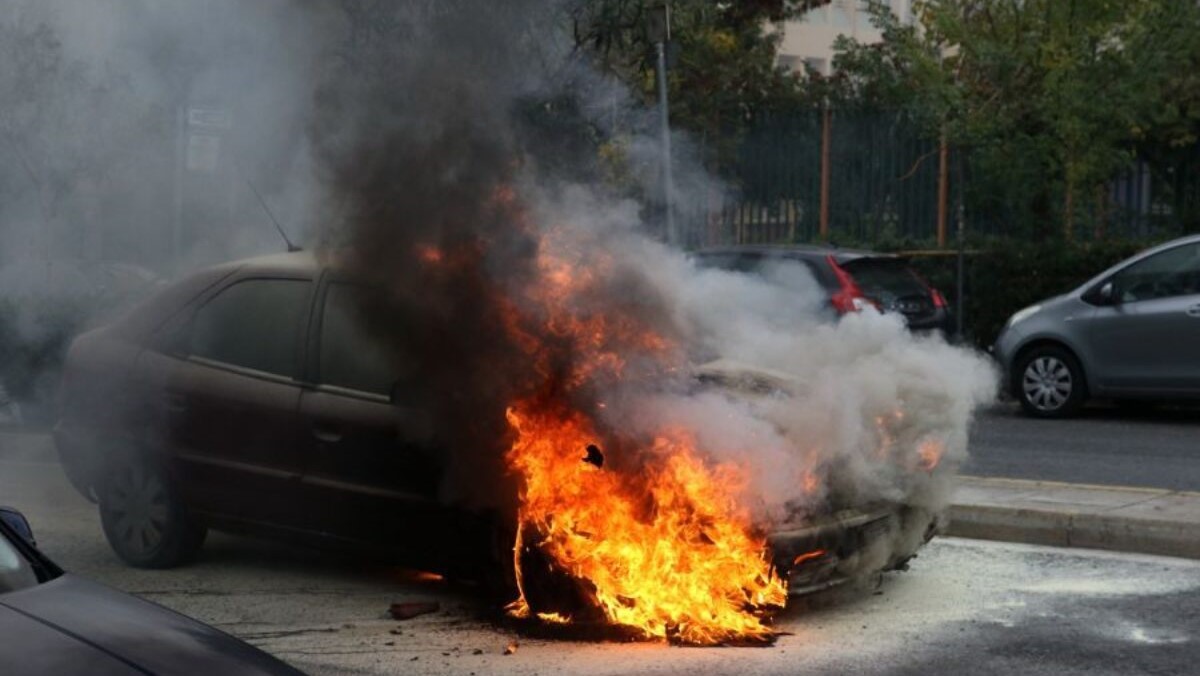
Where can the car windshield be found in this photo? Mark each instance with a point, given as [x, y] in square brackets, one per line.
[15, 571]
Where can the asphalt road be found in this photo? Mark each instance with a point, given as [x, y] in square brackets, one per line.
[964, 607]
[1155, 447]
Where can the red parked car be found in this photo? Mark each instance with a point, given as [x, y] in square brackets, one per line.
[853, 280]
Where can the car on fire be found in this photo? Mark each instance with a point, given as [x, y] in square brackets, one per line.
[52, 622]
[246, 398]
[851, 280]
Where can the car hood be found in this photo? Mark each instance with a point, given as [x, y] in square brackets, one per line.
[72, 626]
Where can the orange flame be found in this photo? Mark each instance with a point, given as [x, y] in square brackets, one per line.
[930, 454]
[808, 556]
[430, 254]
[668, 552]
[653, 531]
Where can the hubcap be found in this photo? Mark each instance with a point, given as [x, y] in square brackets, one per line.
[1047, 383]
[137, 506]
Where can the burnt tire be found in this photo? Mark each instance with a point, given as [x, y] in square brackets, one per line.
[1049, 382]
[497, 574]
[144, 520]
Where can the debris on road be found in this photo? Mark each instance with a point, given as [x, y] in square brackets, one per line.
[512, 648]
[409, 609]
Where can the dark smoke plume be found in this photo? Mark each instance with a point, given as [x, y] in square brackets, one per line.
[416, 134]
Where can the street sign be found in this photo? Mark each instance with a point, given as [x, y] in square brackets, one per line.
[209, 118]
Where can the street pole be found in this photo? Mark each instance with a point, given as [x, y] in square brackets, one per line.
[663, 37]
[959, 319]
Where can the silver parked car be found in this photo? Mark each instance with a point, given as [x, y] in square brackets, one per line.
[1131, 332]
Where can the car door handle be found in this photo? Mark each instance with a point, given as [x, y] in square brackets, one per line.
[1194, 311]
[330, 434]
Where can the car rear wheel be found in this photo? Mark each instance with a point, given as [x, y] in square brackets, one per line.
[143, 518]
[1048, 381]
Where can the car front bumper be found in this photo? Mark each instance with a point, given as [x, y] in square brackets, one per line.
[847, 544]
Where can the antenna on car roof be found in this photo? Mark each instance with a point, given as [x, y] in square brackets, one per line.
[292, 248]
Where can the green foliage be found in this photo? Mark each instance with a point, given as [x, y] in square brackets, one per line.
[723, 62]
[1051, 96]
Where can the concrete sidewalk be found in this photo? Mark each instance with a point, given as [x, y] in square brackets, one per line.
[1119, 518]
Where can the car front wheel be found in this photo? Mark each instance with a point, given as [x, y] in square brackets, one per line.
[144, 520]
[1048, 382]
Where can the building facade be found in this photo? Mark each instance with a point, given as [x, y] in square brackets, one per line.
[808, 41]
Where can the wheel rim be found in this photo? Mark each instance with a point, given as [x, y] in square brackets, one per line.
[137, 508]
[1047, 383]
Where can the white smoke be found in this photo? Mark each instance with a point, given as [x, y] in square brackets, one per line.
[409, 139]
[844, 407]
[130, 133]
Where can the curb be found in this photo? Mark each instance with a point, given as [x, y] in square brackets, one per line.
[1115, 518]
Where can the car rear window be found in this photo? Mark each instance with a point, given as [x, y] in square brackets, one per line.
[254, 323]
[885, 278]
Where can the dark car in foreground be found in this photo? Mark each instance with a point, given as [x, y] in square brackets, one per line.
[54, 623]
[247, 398]
[851, 280]
[1131, 332]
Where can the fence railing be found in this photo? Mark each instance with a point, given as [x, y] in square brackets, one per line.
[863, 177]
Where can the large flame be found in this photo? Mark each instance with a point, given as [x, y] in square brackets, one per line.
[648, 527]
[667, 552]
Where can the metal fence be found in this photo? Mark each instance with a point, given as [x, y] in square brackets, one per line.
[867, 177]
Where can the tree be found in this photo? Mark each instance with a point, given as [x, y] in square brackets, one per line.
[723, 61]
[1054, 92]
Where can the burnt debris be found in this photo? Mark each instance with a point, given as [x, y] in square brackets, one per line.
[594, 456]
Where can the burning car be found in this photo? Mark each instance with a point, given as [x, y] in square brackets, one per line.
[248, 398]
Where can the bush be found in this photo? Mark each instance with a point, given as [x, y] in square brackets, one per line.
[1002, 277]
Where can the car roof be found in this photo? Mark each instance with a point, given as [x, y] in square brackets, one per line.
[291, 262]
[793, 251]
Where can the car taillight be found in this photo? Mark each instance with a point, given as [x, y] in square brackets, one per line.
[939, 301]
[849, 297]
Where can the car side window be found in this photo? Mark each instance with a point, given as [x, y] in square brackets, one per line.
[350, 356]
[1175, 272]
[254, 323]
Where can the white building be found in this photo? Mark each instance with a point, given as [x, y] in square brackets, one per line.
[809, 40]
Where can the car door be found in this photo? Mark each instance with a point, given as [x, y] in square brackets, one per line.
[1147, 340]
[230, 396]
[372, 474]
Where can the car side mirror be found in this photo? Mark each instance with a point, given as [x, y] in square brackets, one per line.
[1103, 295]
[18, 523]
[1107, 293]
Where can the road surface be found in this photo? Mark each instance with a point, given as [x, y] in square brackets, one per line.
[1157, 448]
[964, 607]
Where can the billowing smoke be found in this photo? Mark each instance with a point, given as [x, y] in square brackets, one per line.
[438, 150]
[130, 134]
[450, 143]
